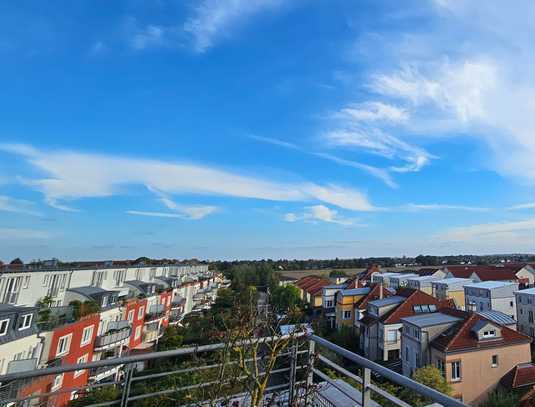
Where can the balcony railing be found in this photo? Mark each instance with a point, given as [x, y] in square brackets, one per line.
[152, 335]
[304, 356]
[113, 338]
[22, 365]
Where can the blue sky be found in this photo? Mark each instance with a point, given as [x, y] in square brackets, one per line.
[265, 128]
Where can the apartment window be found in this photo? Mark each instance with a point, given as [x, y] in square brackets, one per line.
[440, 365]
[347, 315]
[58, 381]
[530, 316]
[45, 280]
[392, 336]
[406, 353]
[98, 278]
[531, 332]
[4, 324]
[26, 282]
[79, 361]
[456, 370]
[530, 300]
[25, 322]
[494, 361]
[417, 360]
[87, 334]
[131, 316]
[64, 345]
[141, 312]
[138, 332]
[489, 334]
[511, 304]
[521, 311]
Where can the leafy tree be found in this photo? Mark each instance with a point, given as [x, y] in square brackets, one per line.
[501, 399]
[285, 298]
[431, 377]
[172, 339]
[338, 273]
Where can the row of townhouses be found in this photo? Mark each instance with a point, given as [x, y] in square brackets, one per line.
[53, 316]
[474, 323]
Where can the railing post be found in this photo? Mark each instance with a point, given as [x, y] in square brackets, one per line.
[366, 391]
[126, 386]
[293, 365]
[310, 376]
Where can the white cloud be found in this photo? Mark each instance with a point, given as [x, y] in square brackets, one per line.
[8, 204]
[522, 206]
[149, 36]
[441, 207]
[22, 234]
[374, 111]
[214, 19]
[155, 214]
[376, 172]
[71, 175]
[319, 213]
[490, 231]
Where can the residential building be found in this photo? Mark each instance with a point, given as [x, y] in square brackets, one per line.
[384, 278]
[520, 380]
[381, 325]
[475, 353]
[500, 318]
[525, 307]
[345, 304]
[417, 333]
[20, 345]
[491, 295]
[422, 283]
[452, 288]
[400, 281]
[523, 274]
[328, 302]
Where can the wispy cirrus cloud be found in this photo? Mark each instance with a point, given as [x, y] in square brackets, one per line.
[530, 205]
[319, 213]
[443, 207]
[513, 231]
[213, 20]
[8, 204]
[23, 234]
[69, 176]
[376, 172]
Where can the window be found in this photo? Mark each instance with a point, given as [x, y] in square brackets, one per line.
[64, 345]
[45, 280]
[87, 334]
[511, 304]
[489, 334]
[4, 324]
[74, 395]
[79, 361]
[141, 312]
[392, 336]
[131, 316]
[531, 332]
[105, 301]
[58, 381]
[440, 365]
[347, 315]
[26, 282]
[138, 332]
[406, 353]
[521, 311]
[25, 322]
[456, 370]
[329, 303]
[494, 362]
[530, 316]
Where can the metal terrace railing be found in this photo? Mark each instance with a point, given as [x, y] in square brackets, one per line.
[300, 372]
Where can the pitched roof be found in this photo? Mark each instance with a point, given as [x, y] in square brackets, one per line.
[317, 286]
[302, 282]
[461, 337]
[374, 294]
[461, 271]
[519, 376]
[427, 271]
[372, 269]
[406, 309]
[487, 273]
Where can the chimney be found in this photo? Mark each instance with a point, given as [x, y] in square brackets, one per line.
[381, 291]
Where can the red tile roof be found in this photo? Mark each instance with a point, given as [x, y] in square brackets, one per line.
[302, 282]
[406, 308]
[317, 287]
[519, 376]
[488, 273]
[427, 271]
[372, 269]
[461, 338]
[461, 271]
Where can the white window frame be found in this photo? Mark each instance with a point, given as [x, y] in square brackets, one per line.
[85, 341]
[58, 382]
[131, 315]
[26, 282]
[345, 313]
[138, 332]
[5, 330]
[26, 322]
[329, 303]
[68, 339]
[492, 364]
[141, 312]
[456, 373]
[489, 334]
[80, 360]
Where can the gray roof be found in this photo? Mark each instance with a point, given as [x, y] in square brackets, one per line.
[8, 308]
[396, 299]
[356, 291]
[491, 284]
[138, 283]
[480, 324]
[90, 291]
[498, 317]
[434, 318]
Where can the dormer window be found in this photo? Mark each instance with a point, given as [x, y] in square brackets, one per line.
[25, 322]
[4, 324]
[489, 334]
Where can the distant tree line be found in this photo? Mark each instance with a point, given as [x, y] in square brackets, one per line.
[421, 260]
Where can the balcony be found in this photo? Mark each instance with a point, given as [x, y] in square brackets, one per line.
[113, 338]
[22, 365]
[152, 335]
[155, 313]
[299, 379]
